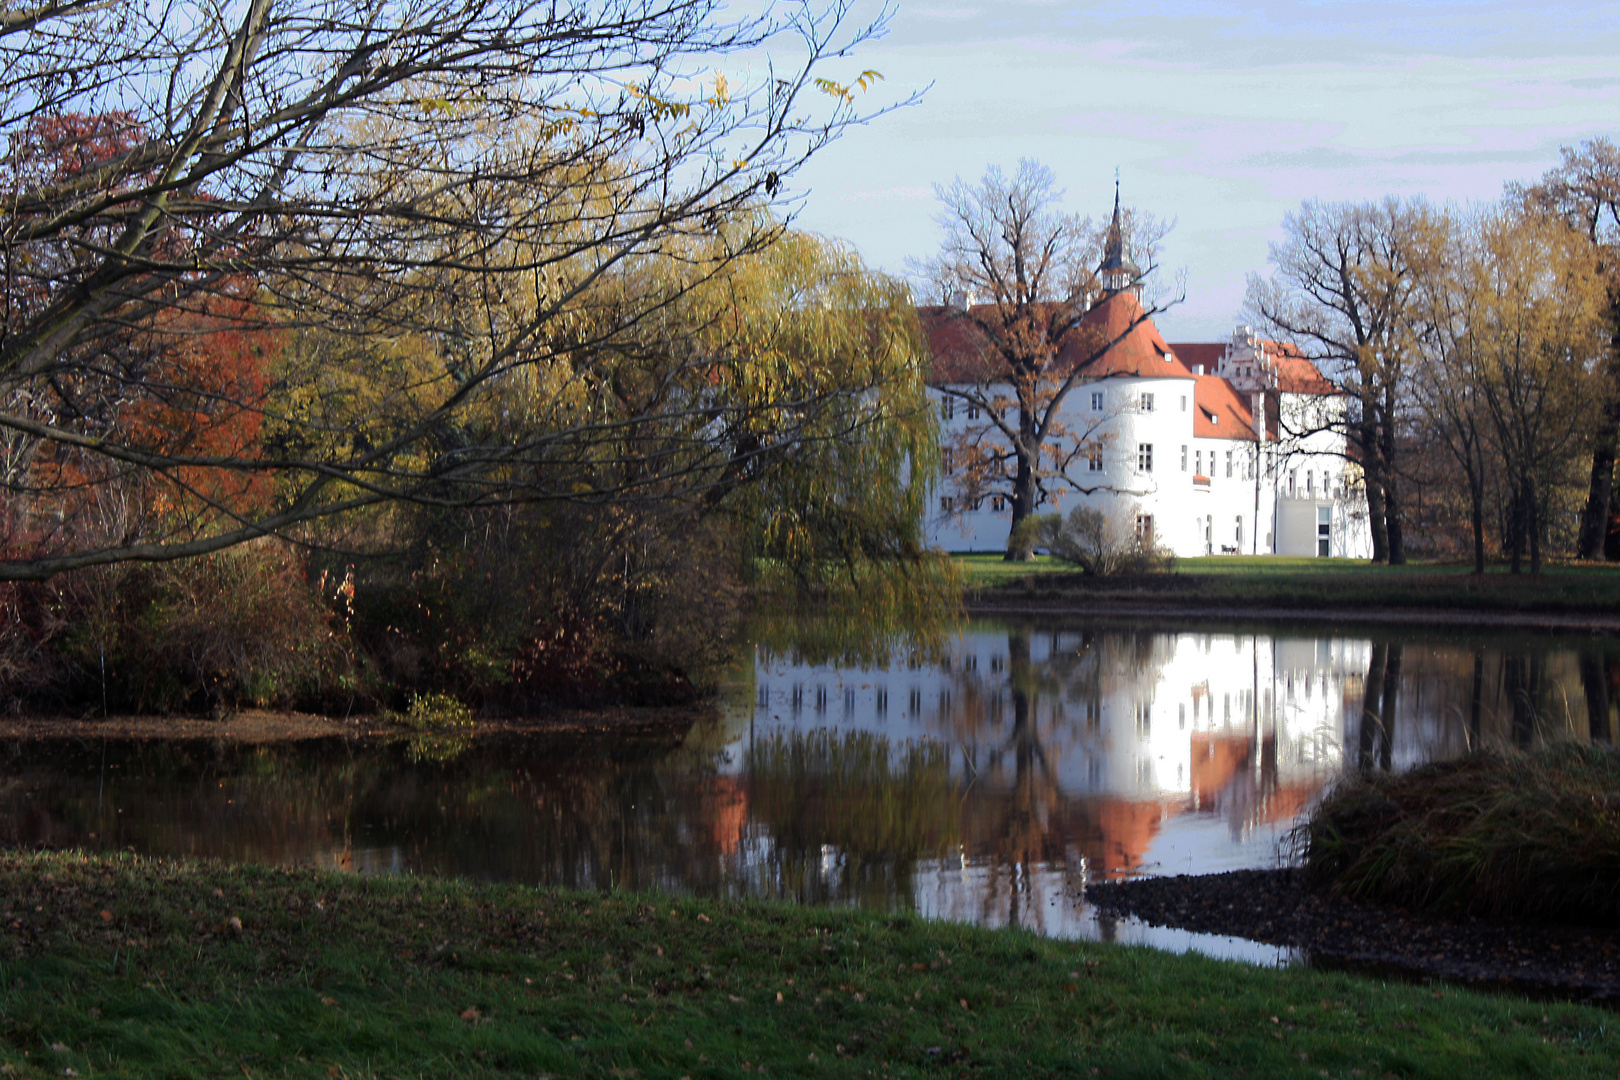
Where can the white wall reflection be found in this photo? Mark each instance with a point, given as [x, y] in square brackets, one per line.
[1077, 754]
[1125, 747]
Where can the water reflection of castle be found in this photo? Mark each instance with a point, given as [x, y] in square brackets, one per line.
[1083, 748]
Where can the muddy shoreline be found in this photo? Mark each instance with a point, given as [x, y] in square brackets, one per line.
[263, 726]
[1279, 907]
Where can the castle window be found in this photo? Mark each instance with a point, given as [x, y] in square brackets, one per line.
[947, 409]
[1229, 464]
[1096, 401]
[946, 504]
[998, 503]
[1144, 528]
[973, 412]
[1147, 402]
[1094, 459]
[1183, 402]
[1183, 457]
[1144, 457]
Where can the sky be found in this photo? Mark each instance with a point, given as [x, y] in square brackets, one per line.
[1221, 117]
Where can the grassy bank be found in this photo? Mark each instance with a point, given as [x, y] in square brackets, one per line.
[127, 967]
[1285, 582]
[1532, 835]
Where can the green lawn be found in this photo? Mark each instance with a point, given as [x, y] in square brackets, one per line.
[1257, 581]
[128, 967]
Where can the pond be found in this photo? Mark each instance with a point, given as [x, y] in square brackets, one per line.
[987, 781]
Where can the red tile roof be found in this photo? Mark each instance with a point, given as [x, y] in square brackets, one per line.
[962, 352]
[1193, 354]
[1296, 374]
[1222, 412]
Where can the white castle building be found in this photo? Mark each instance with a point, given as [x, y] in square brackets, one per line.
[1210, 448]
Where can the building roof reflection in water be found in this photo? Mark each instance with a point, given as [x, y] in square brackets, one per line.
[1091, 754]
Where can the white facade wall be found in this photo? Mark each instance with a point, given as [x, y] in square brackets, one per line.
[1206, 496]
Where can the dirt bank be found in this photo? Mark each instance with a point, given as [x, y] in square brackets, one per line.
[255, 726]
[1280, 908]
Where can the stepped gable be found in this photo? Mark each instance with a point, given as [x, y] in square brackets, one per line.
[963, 353]
[1221, 412]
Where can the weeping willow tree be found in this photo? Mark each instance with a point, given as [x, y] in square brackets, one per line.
[439, 196]
[763, 419]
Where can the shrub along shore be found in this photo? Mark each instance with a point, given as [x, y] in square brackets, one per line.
[122, 966]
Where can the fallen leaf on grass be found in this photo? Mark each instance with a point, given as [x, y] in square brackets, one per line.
[704, 918]
[328, 1001]
[235, 923]
[471, 1013]
[106, 916]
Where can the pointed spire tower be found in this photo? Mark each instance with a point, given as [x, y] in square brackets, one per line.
[1117, 272]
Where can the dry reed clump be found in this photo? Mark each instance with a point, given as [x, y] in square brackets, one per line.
[1520, 835]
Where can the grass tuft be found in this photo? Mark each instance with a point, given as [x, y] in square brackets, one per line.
[1518, 835]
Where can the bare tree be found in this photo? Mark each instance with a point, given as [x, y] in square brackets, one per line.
[1023, 280]
[428, 203]
[1343, 292]
[1584, 190]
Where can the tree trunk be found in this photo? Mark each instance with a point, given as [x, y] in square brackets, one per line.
[1019, 549]
[1599, 494]
[1476, 499]
[1392, 522]
[1516, 529]
[1533, 519]
[1375, 517]
[1372, 471]
[1386, 466]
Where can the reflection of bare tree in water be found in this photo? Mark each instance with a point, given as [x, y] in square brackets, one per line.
[1035, 790]
[1030, 823]
[1523, 683]
[1376, 736]
[1512, 693]
[1598, 676]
